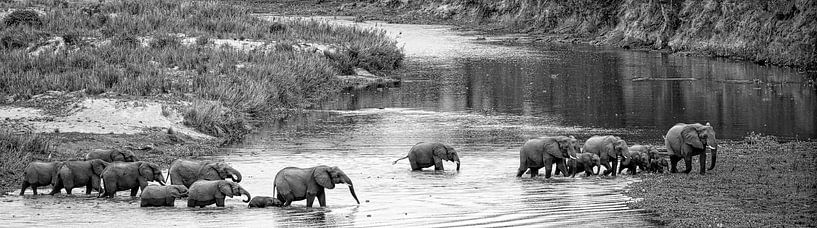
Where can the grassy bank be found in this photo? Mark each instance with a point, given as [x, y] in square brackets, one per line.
[135, 48]
[757, 182]
[767, 32]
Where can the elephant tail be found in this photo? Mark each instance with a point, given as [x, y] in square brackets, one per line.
[395, 161]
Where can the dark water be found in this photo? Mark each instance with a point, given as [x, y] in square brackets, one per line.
[485, 100]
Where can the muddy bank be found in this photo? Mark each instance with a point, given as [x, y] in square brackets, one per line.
[756, 183]
[766, 32]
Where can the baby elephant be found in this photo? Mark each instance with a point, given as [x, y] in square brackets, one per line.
[657, 165]
[204, 192]
[162, 196]
[265, 201]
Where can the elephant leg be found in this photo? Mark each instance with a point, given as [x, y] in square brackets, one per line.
[88, 188]
[703, 162]
[322, 199]
[34, 189]
[560, 166]
[414, 165]
[68, 190]
[688, 163]
[133, 191]
[170, 201]
[309, 200]
[56, 188]
[534, 172]
[615, 165]
[23, 189]
[548, 168]
[191, 203]
[674, 163]
[438, 165]
[607, 168]
[219, 202]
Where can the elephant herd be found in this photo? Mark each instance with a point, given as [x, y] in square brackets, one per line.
[205, 183]
[683, 141]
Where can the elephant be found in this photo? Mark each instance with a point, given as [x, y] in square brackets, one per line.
[657, 165]
[185, 172]
[265, 201]
[294, 184]
[608, 148]
[38, 174]
[162, 196]
[119, 176]
[206, 192]
[111, 155]
[687, 140]
[639, 157]
[544, 152]
[71, 174]
[424, 155]
[584, 162]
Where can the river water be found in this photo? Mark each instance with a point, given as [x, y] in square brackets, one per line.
[484, 99]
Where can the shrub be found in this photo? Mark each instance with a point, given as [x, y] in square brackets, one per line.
[214, 119]
[22, 17]
[164, 41]
[17, 150]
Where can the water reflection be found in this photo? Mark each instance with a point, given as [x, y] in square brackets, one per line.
[592, 87]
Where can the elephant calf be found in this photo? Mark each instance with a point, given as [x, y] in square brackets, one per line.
[38, 174]
[204, 192]
[424, 155]
[584, 162]
[265, 201]
[71, 174]
[658, 165]
[162, 196]
[639, 157]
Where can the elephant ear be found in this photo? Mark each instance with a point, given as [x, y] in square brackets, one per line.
[690, 136]
[145, 170]
[450, 152]
[225, 188]
[440, 152]
[209, 172]
[323, 177]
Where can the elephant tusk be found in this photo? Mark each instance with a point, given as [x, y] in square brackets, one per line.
[710, 147]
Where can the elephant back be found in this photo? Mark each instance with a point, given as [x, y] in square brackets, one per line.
[154, 192]
[203, 190]
[40, 173]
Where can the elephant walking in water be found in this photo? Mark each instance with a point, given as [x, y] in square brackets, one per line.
[544, 152]
[608, 148]
[71, 174]
[294, 184]
[424, 155]
[204, 192]
[686, 140]
[134, 176]
[162, 196]
[185, 172]
[584, 162]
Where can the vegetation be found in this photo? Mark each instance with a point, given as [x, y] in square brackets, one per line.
[16, 150]
[757, 182]
[767, 32]
[136, 47]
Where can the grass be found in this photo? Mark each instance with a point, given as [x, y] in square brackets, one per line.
[250, 84]
[17, 150]
[757, 182]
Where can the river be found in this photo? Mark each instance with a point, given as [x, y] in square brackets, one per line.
[485, 99]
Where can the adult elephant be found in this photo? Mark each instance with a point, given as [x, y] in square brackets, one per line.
[134, 176]
[424, 155]
[207, 192]
[638, 157]
[111, 155]
[186, 172]
[608, 148]
[162, 196]
[71, 174]
[294, 184]
[687, 140]
[38, 174]
[584, 162]
[544, 152]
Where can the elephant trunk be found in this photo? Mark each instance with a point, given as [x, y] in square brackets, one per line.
[352, 188]
[245, 192]
[458, 165]
[234, 174]
[714, 158]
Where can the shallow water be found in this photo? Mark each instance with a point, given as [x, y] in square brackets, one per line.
[485, 100]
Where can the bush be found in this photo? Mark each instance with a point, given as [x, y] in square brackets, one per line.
[165, 41]
[214, 119]
[17, 150]
[22, 17]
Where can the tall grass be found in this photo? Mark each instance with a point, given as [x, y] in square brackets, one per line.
[248, 83]
[17, 150]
